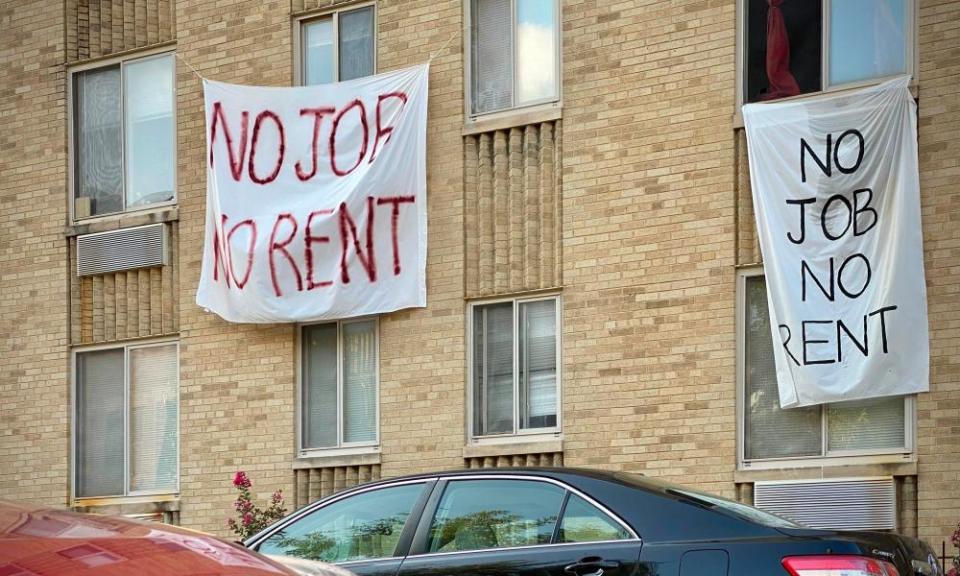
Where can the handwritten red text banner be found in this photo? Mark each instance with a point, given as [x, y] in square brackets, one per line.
[316, 199]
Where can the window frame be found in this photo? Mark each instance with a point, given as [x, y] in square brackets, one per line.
[826, 457]
[101, 63]
[74, 420]
[911, 58]
[301, 20]
[518, 434]
[342, 448]
[514, 109]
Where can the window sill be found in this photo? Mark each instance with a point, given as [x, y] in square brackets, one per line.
[513, 446]
[95, 224]
[127, 505]
[858, 466]
[513, 118]
[334, 459]
[738, 113]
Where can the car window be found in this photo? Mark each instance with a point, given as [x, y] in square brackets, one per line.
[584, 522]
[479, 514]
[360, 527]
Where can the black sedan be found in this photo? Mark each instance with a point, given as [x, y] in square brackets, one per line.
[569, 522]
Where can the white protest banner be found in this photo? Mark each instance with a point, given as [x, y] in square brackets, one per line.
[316, 199]
[837, 199]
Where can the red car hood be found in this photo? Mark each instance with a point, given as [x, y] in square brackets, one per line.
[40, 541]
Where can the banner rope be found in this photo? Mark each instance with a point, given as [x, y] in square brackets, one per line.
[444, 47]
[190, 66]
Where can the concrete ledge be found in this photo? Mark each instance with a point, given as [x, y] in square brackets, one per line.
[827, 472]
[337, 460]
[123, 220]
[513, 448]
[513, 119]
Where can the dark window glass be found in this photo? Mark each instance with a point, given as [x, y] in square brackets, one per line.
[583, 522]
[771, 73]
[361, 527]
[480, 514]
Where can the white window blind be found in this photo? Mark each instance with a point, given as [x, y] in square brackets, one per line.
[153, 418]
[492, 55]
[320, 386]
[359, 382]
[493, 373]
[538, 363]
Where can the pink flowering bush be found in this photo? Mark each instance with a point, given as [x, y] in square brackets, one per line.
[250, 517]
[955, 540]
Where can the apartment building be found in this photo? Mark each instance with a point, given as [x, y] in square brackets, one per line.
[595, 287]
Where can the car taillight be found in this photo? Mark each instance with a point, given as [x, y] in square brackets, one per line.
[837, 565]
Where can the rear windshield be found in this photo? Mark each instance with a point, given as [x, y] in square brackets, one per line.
[738, 509]
[715, 502]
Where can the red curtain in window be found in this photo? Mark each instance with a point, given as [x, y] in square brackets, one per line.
[782, 82]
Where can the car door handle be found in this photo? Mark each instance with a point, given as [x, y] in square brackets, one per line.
[591, 566]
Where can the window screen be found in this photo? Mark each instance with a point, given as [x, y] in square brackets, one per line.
[100, 424]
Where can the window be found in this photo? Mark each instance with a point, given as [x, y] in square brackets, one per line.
[582, 522]
[514, 366]
[514, 54]
[339, 385]
[126, 407]
[875, 426]
[123, 136]
[337, 46]
[795, 47]
[481, 514]
[362, 527]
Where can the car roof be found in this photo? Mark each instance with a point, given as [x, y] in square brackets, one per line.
[42, 540]
[572, 476]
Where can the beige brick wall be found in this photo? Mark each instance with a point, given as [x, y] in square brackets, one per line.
[641, 225]
[34, 382]
[938, 413]
[648, 239]
[236, 381]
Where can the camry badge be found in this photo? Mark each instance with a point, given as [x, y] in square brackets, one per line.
[889, 555]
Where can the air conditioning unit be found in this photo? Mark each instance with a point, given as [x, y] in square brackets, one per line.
[126, 249]
[841, 504]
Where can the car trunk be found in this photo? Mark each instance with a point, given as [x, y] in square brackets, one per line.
[909, 555]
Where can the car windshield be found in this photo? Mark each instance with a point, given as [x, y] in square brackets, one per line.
[724, 505]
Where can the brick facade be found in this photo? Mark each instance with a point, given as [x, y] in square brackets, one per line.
[632, 203]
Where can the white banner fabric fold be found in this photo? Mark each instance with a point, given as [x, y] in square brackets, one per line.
[316, 199]
[836, 194]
